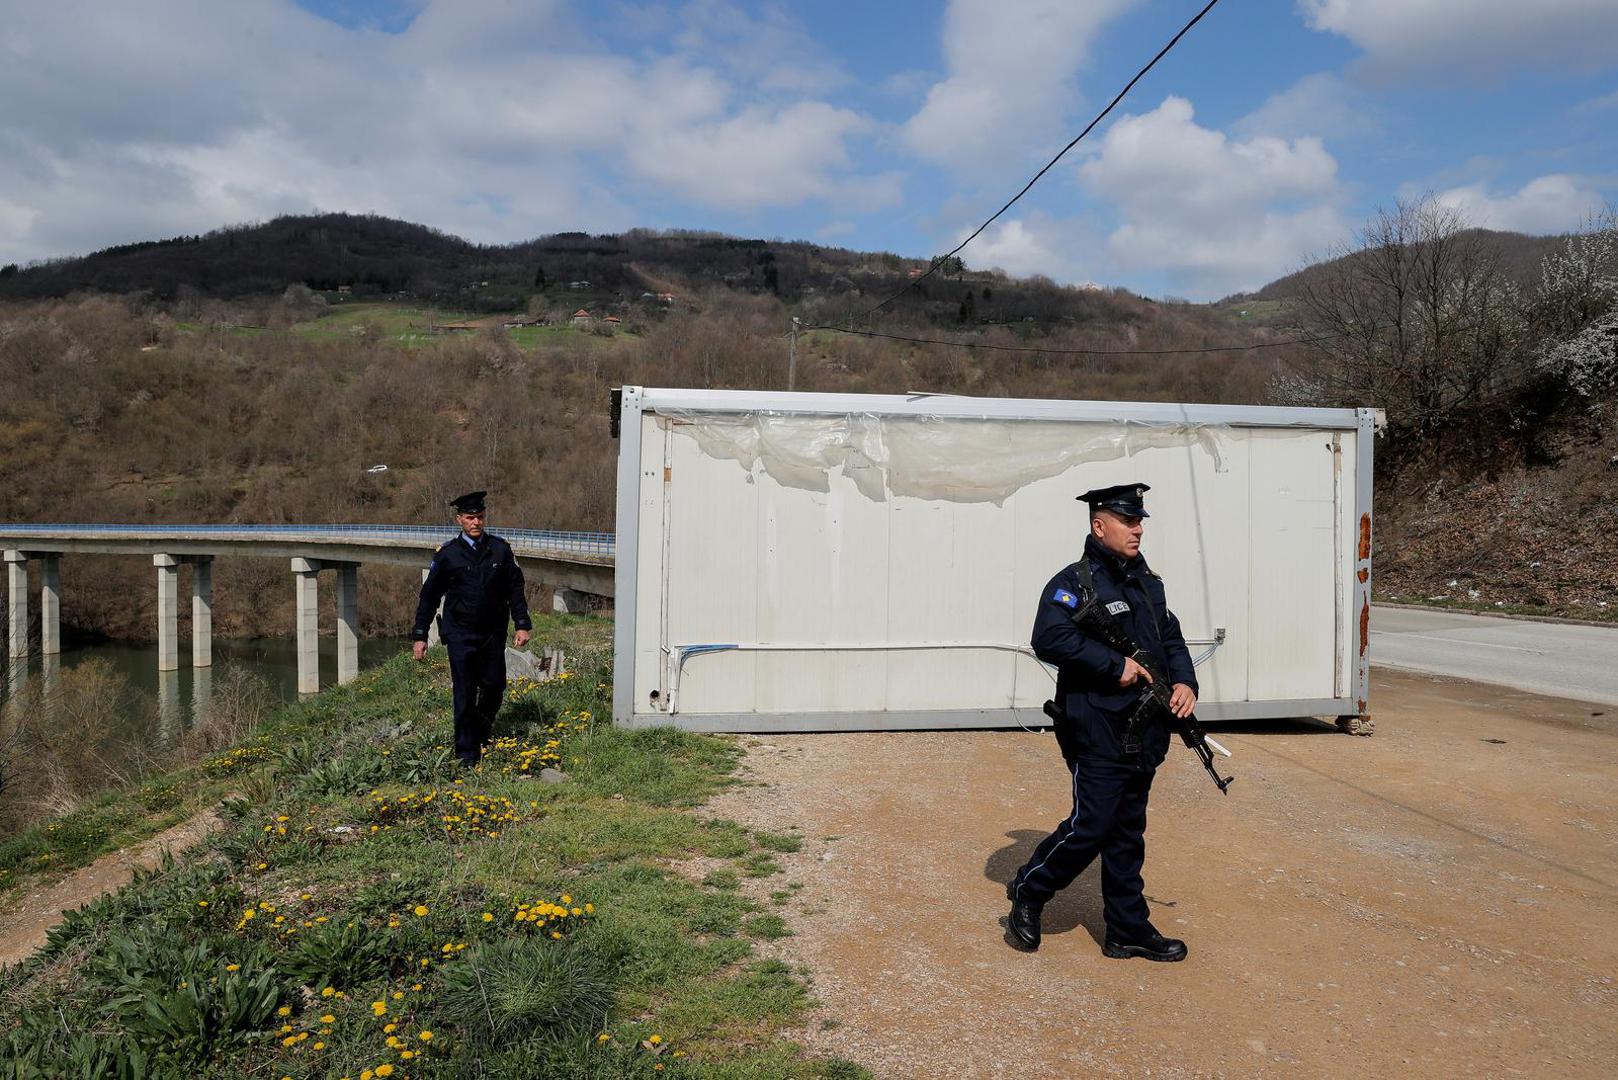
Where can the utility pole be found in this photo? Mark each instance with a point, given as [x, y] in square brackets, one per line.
[792, 356]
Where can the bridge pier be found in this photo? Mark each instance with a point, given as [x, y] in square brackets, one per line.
[50, 604]
[168, 612]
[565, 601]
[201, 610]
[16, 604]
[348, 622]
[306, 589]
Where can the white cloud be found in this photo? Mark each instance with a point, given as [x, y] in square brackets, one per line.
[1020, 250]
[491, 119]
[1471, 39]
[758, 157]
[1598, 104]
[1547, 204]
[1213, 214]
[1319, 104]
[1009, 87]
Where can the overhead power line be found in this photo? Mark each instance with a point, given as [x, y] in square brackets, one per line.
[1164, 51]
[1069, 352]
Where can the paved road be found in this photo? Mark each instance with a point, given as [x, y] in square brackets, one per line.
[1560, 659]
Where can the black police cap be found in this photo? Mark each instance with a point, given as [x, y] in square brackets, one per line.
[1126, 499]
[470, 503]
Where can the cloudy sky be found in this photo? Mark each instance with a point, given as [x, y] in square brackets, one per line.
[1273, 129]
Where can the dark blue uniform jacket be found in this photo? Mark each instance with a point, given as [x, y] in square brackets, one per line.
[1087, 671]
[480, 589]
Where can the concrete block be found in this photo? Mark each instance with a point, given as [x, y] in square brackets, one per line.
[567, 601]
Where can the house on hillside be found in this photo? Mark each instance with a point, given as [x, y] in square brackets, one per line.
[345, 290]
[665, 298]
[582, 318]
[611, 323]
[579, 285]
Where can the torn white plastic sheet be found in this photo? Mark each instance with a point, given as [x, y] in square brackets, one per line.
[928, 457]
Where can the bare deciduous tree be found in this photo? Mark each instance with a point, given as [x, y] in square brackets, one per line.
[1418, 316]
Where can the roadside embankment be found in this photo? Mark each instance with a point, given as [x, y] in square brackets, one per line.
[367, 910]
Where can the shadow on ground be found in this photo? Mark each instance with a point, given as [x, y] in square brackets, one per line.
[1078, 905]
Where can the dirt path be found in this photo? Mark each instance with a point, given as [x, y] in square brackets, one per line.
[23, 926]
[1437, 899]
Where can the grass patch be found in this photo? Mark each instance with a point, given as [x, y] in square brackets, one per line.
[367, 905]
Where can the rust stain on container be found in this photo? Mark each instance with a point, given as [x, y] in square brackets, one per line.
[1364, 575]
[1365, 536]
[1365, 626]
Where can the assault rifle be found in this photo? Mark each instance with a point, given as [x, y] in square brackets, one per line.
[1097, 622]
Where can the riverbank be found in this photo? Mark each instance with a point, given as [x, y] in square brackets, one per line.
[366, 910]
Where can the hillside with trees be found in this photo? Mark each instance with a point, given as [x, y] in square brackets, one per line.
[158, 383]
[135, 406]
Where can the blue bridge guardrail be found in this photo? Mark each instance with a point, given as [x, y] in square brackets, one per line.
[599, 544]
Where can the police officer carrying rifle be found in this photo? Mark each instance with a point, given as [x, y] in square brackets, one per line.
[1097, 691]
[481, 585]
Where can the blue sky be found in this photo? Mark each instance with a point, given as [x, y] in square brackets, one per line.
[1264, 139]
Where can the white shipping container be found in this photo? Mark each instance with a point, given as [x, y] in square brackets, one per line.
[803, 562]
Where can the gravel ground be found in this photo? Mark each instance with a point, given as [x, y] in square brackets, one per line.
[1438, 898]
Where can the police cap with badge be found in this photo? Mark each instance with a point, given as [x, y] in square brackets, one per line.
[470, 503]
[1126, 499]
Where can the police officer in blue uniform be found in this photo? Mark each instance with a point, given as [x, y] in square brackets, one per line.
[481, 585]
[1096, 691]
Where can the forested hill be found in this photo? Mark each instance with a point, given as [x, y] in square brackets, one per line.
[1520, 257]
[373, 257]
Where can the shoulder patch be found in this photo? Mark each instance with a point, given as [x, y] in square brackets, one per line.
[1065, 598]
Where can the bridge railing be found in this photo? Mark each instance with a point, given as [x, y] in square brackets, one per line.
[600, 544]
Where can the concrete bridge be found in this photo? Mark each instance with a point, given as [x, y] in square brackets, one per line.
[574, 565]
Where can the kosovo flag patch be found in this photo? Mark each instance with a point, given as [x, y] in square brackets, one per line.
[1065, 598]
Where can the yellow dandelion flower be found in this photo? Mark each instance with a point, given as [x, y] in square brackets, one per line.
[327, 992]
[233, 967]
[285, 1010]
[320, 1046]
[654, 1039]
[603, 1037]
[421, 911]
[488, 916]
[384, 1070]
[425, 1036]
[406, 1055]
[328, 1019]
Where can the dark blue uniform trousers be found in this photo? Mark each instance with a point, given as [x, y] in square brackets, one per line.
[477, 668]
[1108, 819]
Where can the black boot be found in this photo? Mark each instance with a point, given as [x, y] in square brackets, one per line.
[1153, 946]
[1024, 920]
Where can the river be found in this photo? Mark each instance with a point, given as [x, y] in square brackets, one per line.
[182, 696]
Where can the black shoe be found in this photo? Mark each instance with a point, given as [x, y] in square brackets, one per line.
[1154, 947]
[1024, 920]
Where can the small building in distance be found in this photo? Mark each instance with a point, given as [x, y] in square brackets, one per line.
[582, 318]
[611, 323]
[579, 285]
